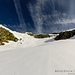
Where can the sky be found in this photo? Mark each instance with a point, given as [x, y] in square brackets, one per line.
[8, 13]
[40, 17]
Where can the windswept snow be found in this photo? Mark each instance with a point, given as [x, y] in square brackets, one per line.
[31, 56]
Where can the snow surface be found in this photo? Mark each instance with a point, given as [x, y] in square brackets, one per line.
[32, 56]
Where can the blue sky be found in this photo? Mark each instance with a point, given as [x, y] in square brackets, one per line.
[8, 14]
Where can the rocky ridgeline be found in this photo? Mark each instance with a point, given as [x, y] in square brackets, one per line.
[39, 35]
[65, 35]
[6, 36]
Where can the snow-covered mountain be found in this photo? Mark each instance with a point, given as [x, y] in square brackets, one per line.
[31, 56]
[25, 40]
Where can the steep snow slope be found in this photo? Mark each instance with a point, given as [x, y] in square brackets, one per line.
[26, 41]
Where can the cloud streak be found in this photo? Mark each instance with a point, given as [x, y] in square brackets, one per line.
[20, 15]
[37, 14]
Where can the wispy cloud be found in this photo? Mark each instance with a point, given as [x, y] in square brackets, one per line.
[20, 15]
[37, 14]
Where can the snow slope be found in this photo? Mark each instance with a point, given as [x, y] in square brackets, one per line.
[38, 57]
[40, 60]
[26, 41]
